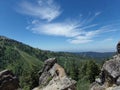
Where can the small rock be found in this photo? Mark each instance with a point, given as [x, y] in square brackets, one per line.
[98, 80]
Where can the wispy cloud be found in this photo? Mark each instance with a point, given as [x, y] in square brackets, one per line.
[66, 28]
[43, 9]
[76, 31]
[80, 40]
[97, 13]
[108, 39]
[88, 36]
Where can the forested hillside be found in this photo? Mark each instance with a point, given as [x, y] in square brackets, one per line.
[97, 55]
[26, 61]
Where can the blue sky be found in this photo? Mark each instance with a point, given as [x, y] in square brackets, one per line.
[62, 25]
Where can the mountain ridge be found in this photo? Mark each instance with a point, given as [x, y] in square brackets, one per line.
[26, 61]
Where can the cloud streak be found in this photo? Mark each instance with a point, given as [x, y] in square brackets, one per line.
[88, 36]
[65, 29]
[42, 9]
[76, 31]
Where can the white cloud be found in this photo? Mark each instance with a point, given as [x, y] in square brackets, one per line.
[80, 40]
[89, 18]
[90, 35]
[66, 29]
[76, 31]
[84, 38]
[97, 13]
[109, 39]
[43, 9]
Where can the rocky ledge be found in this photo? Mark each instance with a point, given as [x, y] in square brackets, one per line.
[8, 81]
[109, 78]
[53, 77]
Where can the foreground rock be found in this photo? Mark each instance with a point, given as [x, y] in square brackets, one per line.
[118, 47]
[8, 81]
[53, 77]
[110, 74]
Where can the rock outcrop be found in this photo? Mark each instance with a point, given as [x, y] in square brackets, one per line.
[8, 81]
[53, 77]
[118, 48]
[109, 78]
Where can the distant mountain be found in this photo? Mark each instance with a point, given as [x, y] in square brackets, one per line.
[25, 61]
[97, 55]
[22, 59]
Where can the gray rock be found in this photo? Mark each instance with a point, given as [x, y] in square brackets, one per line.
[45, 74]
[53, 77]
[118, 81]
[112, 67]
[110, 74]
[8, 81]
[50, 61]
[96, 86]
[98, 80]
[115, 88]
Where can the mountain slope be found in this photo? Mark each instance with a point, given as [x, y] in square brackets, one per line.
[20, 59]
[26, 61]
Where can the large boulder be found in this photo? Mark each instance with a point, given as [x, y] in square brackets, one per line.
[8, 81]
[53, 77]
[109, 78]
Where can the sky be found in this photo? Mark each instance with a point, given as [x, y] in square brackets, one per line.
[62, 25]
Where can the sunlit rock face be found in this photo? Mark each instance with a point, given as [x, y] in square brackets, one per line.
[53, 77]
[8, 81]
[109, 78]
